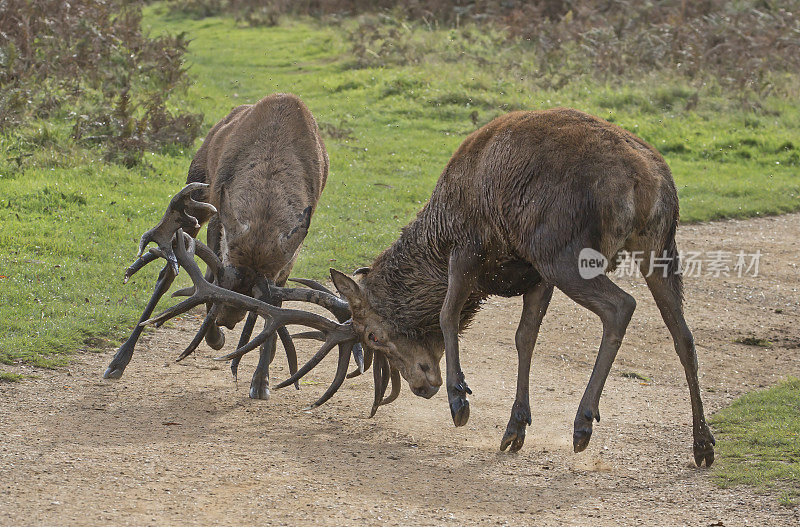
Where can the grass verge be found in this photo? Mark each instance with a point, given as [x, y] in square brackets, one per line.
[758, 441]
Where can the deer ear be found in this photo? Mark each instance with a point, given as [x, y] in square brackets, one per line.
[348, 288]
[291, 241]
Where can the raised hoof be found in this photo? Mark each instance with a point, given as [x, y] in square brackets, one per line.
[113, 372]
[580, 438]
[259, 392]
[704, 450]
[583, 429]
[215, 338]
[459, 409]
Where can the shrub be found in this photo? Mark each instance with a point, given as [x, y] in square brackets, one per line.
[739, 45]
[90, 62]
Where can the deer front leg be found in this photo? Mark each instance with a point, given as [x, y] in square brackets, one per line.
[259, 385]
[535, 303]
[125, 351]
[460, 281]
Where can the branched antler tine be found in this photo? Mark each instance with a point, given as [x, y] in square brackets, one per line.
[208, 256]
[377, 375]
[310, 335]
[331, 302]
[341, 370]
[186, 291]
[291, 352]
[182, 213]
[140, 262]
[187, 261]
[313, 284]
[201, 333]
[247, 330]
[276, 317]
[396, 385]
[308, 366]
[358, 356]
[172, 312]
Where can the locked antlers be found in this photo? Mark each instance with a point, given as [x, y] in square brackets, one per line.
[335, 334]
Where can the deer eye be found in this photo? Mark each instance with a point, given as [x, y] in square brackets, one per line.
[372, 337]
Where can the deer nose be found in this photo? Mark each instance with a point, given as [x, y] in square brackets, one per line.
[427, 391]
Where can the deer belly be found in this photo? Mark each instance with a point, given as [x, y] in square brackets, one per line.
[510, 278]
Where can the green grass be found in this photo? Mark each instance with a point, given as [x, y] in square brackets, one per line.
[69, 223]
[758, 441]
[10, 377]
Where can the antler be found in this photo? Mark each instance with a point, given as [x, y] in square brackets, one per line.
[342, 335]
[382, 372]
[183, 212]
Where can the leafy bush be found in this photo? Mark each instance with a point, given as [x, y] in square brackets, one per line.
[88, 61]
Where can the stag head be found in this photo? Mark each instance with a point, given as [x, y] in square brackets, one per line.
[417, 361]
[252, 248]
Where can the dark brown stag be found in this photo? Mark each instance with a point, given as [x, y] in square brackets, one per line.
[513, 210]
[263, 167]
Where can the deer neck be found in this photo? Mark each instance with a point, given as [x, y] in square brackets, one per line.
[407, 283]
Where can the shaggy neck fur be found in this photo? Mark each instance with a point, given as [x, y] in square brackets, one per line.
[407, 283]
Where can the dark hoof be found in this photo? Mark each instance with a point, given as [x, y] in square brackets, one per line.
[514, 436]
[459, 405]
[583, 429]
[704, 450]
[215, 338]
[515, 431]
[580, 438]
[259, 392]
[113, 372]
[459, 409]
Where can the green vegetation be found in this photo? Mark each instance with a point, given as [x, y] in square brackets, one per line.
[10, 377]
[754, 341]
[70, 221]
[635, 375]
[758, 441]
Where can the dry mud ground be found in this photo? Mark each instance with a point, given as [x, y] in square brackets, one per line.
[182, 444]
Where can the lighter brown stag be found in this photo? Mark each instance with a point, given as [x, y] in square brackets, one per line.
[263, 168]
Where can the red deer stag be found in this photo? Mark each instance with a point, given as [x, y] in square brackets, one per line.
[512, 211]
[263, 167]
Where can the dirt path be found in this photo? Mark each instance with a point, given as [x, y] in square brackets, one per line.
[181, 444]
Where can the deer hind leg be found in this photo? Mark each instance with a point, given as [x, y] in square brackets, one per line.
[614, 307]
[259, 385]
[535, 304]
[666, 287]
